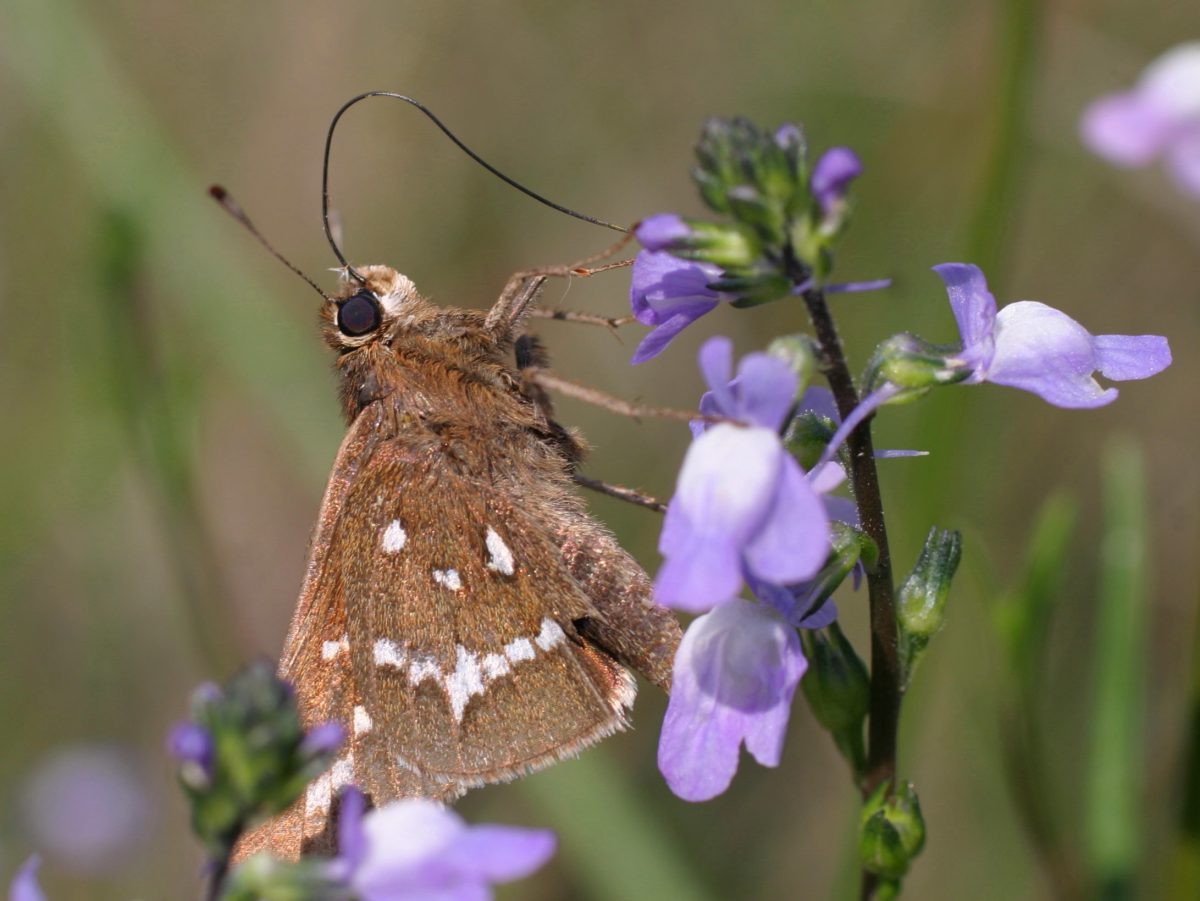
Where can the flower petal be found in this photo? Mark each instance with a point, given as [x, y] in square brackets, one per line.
[716, 365]
[766, 390]
[499, 853]
[655, 342]
[832, 174]
[1125, 357]
[1043, 350]
[735, 674]
[25, 886]
[1183, 160]
[974, 308]
[725, 490]
[794, 539]
[661, 231]
[662, 285]
[1124, 129]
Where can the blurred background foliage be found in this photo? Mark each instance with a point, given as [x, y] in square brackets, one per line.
[169, 415]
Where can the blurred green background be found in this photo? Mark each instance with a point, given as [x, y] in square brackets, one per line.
[169, 414]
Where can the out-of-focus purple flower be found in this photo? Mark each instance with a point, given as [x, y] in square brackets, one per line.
[735, 674]
[832, 175]
[1036, 348]
[1159, 117]
[419, 849]
[24, 886]
[669, 294]
[190, 743]
[88, 807]
[323, 739]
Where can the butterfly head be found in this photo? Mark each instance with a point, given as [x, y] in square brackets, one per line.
[361, 313]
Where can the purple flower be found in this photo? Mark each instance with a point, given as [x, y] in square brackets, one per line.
[735, 674]
[661, 231]
[88, 806]
[742, 504]
[1036, 348]
[24, 886]
[419, 849]
[831, 176]
[1160, 117]
[669, 294]
[762, 393]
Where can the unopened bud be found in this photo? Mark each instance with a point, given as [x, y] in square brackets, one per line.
[891, 831]
[910, 362]
[921, 603]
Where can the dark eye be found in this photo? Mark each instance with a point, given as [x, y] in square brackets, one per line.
[358, 315]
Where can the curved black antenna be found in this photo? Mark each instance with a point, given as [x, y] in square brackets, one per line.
[461, 146]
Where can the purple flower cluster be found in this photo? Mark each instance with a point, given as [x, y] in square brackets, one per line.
[744, 512]
[1158, 118]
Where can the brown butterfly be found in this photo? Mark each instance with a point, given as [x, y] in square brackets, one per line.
[462, 616]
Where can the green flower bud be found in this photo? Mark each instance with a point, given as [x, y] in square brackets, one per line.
[909, 362]
[921, 603]
[891, 831]
[728, 246]
[836, 683]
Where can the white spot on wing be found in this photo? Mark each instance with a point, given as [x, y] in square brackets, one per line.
[550, 636]
[330, 649]
[501, 558]
[465, 682]
[394, 537]
[387, 653]
[362, 721]
[448, 577]
[423, 668]
[519, 649]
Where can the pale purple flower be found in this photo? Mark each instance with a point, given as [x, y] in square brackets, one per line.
[88, 806]
[1158, 118]
[831, 176]
[736, 671]
[742, 505]
[24, 886]
[669, 294]
[1036, 348]
[417, 849]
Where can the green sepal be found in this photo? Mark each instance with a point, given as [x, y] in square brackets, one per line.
[921, 602]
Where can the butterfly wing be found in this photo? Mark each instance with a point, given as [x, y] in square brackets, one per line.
[438, 625]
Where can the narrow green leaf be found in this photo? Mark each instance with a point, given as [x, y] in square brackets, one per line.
[1111, 823]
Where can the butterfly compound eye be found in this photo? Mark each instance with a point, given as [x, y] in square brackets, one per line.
[358, 315]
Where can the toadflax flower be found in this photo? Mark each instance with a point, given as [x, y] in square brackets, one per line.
[736, 671]
[742, 505]
[421, 850]
[1159, 117]
[1036, 348]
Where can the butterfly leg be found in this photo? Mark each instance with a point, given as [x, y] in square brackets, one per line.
[522, 287]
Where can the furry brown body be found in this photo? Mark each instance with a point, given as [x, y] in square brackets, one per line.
[461, 616]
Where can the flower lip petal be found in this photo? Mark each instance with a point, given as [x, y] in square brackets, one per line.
[1127, 357]
[736, 672]
[793, 541]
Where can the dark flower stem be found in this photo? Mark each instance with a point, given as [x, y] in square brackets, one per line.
[886, 686]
